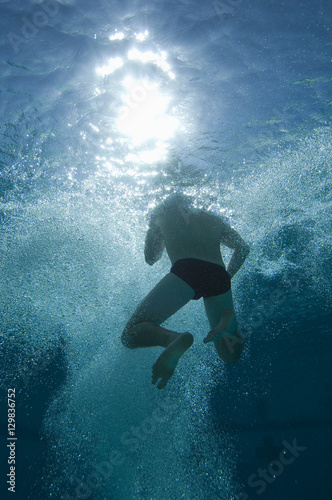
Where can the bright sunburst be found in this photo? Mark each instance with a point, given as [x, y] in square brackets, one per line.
[144, 115]
[145, 119]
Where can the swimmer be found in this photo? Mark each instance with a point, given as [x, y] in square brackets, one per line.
[192, 239]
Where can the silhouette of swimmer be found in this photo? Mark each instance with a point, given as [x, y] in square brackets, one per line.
[192, 238]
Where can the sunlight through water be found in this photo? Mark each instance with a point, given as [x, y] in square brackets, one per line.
[146, 118]
[109, 108]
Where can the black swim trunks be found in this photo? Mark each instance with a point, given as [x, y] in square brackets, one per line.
[205, 278]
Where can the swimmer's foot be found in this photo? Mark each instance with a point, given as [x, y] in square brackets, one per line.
[165, 365]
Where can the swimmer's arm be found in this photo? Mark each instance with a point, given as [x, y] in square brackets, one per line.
[232, 239]
[154, 244]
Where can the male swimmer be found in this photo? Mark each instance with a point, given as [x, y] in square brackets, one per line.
[192, 238]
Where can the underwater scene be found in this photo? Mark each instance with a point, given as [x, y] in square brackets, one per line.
[109, 108]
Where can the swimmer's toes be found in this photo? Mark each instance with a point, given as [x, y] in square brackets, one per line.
[162, 383]
[165, 365]
[154, 374]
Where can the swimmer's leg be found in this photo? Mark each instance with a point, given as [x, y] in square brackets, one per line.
[144, 330]
[165, 365]
[224, 331]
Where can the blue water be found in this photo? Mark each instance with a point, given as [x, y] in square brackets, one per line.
[106, 107]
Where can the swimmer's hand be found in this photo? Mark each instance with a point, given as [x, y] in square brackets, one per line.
[214, 334]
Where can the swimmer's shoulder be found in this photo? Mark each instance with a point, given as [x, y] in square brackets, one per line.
[215, 221]
[211, 217]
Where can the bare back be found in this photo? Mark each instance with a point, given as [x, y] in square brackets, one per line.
[190, 233]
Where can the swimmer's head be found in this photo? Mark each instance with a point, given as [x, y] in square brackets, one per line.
[176, 203]
[177, 200]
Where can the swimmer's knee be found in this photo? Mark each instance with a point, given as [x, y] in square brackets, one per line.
[131, 330]
[127, 338]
